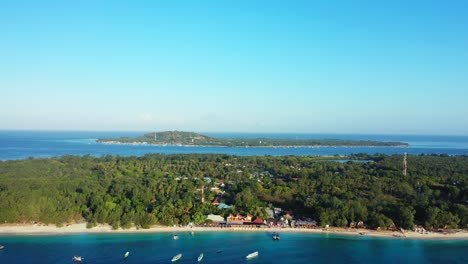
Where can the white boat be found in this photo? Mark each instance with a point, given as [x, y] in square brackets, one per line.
[252, 255]
[126, 255]
[200, 257]
[2, 247]
[175, 237]
[276, 236]
[77, 258]
[176, 257]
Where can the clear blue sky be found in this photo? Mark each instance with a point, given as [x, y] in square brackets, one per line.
[235, 66]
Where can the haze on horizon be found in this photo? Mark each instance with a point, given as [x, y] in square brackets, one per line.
[367, 67]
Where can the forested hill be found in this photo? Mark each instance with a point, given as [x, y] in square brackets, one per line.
[166, 189]
[195, 139]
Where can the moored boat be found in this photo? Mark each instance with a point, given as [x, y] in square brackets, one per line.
[200, 257]
[175, 237]
[77, 258]
[2, 247]
[126, 255]
[252, 255]
[176, 257]
[276, 236]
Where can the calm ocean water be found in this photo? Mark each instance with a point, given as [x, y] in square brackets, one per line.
[41, 144]
[292, 248]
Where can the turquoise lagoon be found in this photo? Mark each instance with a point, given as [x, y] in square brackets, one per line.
[229, 248]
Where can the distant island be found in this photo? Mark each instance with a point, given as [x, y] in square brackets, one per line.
[181, 138]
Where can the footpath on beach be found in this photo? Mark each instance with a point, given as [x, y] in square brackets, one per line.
[37, 229]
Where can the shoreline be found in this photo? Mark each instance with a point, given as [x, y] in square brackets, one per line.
[21, 229]
[220, 146]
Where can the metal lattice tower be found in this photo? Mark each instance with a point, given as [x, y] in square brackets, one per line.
[405, 164]
[203, 194]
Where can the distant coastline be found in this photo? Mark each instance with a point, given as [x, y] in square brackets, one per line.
[214, 146]
[30, 229]
[181, 138]
[59, 143]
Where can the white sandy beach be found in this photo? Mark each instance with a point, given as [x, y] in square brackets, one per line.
[21, 229]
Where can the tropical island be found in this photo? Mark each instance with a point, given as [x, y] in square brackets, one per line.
[125, 193]
[182, 138]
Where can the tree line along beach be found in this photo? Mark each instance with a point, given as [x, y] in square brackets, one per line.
[140, 192]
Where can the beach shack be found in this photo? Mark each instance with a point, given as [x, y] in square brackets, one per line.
[258, 222]
[216, 219]
[307, 223]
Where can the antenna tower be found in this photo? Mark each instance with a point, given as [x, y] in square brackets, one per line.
[203, 194]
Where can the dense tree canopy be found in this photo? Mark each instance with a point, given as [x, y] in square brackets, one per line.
[166, 189]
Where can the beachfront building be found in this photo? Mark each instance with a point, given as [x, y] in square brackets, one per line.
[235, 219]
[271, 213]
[306, 223]
[258, 221]
[217, 219]
[277, 211]
[288, 215]
[278, 222]
[248, 218]
[359, 224]
[244, 220]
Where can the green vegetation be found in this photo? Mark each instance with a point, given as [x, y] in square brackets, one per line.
[194, 139]
[165, 189]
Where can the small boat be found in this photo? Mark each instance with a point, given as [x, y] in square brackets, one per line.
[192, 233]
[175, 237]
[200, 257]
[2, 247]
[219, 251]
[126, 255]
[176, 257]
[77, 258]
[276, 236]
[252, 255]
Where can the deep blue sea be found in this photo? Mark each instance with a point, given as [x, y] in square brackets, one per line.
[292, 248]
[42, 144]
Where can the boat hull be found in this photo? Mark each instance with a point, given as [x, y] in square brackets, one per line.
[252, 255]
[176, 258]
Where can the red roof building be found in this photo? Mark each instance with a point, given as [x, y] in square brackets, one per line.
[258, 220]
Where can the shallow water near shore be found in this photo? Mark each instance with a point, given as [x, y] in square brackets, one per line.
[228, 248]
